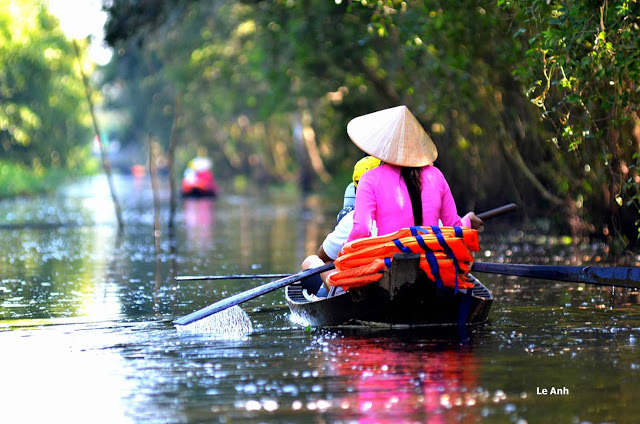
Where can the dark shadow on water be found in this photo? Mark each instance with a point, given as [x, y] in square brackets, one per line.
[455, 335]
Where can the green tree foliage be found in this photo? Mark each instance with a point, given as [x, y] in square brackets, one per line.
[368, 56]
[582, 69]
[43, 118]
[263, 81]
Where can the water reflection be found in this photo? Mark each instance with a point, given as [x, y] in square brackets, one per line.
[428, 378]
[56, 273]
[199, 221]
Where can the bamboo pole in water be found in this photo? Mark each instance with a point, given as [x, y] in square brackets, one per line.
[173, 142]
[153, 170]
[105, 161]
[173, 203]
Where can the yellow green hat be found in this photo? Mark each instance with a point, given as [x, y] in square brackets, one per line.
[362, 166]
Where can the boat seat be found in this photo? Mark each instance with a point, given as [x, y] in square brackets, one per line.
[310, 297]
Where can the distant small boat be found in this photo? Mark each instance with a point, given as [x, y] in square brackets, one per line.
[198, 179]
[138, 170]
[403, 297]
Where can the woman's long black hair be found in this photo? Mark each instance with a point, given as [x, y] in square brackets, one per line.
[413, 179]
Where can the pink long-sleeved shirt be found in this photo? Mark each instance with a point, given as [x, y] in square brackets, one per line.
[382, 196]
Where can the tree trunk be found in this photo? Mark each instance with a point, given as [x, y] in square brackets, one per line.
[304, 176]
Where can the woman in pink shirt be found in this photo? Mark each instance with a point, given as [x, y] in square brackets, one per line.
[407, 189]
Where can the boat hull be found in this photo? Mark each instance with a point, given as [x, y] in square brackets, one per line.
[404, 297]
[199, 184]
[198, 192]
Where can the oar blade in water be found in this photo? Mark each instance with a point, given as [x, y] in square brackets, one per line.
[229, 323]
[250, 294]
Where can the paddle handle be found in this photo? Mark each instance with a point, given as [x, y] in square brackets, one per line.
[250, 294]
[603, 276]
[497, 211]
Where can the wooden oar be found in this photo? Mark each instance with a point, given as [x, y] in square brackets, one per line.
[251, 294]
[603, 276]
[228, 277]
[497, 211]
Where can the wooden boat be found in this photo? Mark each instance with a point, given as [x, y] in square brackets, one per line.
[403, 297]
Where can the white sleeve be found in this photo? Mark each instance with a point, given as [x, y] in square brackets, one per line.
[332, 245]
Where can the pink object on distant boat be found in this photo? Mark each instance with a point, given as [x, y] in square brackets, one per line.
[198, 179]
[138, 171]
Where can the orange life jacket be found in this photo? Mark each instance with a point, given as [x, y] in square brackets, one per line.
[366, 274]
[444, 256]
[469, 236]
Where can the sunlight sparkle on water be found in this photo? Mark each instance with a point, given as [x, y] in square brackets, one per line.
[63, 367]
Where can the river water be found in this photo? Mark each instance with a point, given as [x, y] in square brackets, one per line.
[86, 333]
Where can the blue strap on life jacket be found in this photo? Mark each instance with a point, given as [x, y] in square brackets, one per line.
[448, 251]
[387, 263]
[431, 260]
[460, 235]
[418, 230]
[402, 247]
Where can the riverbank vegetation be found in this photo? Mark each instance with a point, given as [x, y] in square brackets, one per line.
[44, 132]
[19, 180]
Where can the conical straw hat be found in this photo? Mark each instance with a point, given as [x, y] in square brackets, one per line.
[394, 136]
